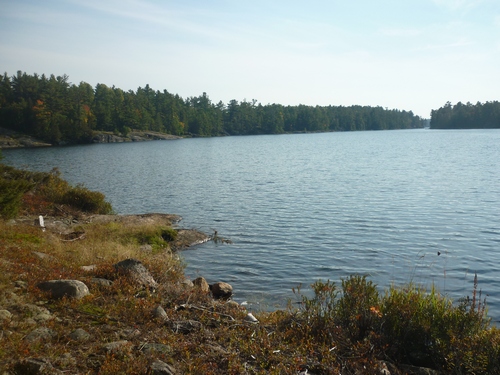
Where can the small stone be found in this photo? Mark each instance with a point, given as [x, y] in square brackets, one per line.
[42, 333]
[136, 270]
[5, 315]
[79, 334]
[161, 368]
[65, 288]
[250, 318]
[186, 283]
[185, 326]
[154, 347]
[201, 284]
[221, 290]
[129, 333]
[43, 317]
[159, 312]
[114, 346]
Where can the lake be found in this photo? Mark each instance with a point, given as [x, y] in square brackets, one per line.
[398, 206]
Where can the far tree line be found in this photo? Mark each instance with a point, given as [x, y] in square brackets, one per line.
[55, 110]
[466, 116]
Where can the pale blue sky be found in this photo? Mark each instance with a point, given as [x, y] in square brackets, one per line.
[406, 54]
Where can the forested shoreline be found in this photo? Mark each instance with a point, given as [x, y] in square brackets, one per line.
[57, 111]
[466, 116]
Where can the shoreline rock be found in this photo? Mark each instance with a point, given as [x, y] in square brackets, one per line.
[12, 139]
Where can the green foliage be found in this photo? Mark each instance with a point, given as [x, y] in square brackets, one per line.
[358, 306]
[19, 189]
[409, 325]
[156, 236]
[57, 111]
[467, 116]
[83, 199]
[11, 193]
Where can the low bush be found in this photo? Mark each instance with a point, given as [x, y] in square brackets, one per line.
[83, 199]
[27, 191]
[11, 194]
[407, 325]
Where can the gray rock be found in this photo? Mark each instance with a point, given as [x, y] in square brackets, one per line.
[42, 333]
[201, 284]
[185, 326]
[114, 346]
[65, 288]
[161, 368]
[136, 270]
[159, 312]
[221, 290]
[43, 317]
[128, 333]
[79, 334]
[150, 348]
[5, 315]
[186, 283]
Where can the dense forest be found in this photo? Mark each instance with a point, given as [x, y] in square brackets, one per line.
[466, 116]
[55, 110]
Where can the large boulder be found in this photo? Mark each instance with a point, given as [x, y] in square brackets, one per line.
[137, 272]
[64, 288]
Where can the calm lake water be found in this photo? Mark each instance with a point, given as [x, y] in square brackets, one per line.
[313, 206]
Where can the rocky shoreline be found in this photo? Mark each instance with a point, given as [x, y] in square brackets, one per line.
[12, 139]
[39, 320]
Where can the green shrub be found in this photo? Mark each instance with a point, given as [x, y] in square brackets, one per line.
[11, 194]
[427, 329]
[406, 325]
[157, 237]
[358, 309]
[169, 234]
[86, 200]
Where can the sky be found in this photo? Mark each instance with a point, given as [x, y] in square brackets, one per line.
[398, 54]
